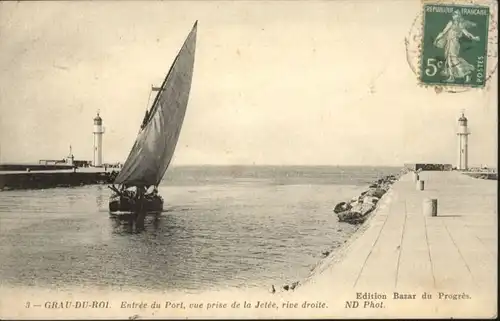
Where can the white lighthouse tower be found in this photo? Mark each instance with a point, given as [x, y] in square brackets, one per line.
[463, 148]
[98, 131]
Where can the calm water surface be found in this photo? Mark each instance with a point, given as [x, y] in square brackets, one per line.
[221, 227]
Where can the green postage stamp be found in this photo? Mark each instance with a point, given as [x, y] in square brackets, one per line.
[454, 45]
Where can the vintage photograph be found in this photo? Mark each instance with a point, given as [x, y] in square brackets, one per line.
[248, 159]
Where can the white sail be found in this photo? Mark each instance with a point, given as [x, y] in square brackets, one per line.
[155, 144]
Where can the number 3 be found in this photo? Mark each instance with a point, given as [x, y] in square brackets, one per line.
[431, 69]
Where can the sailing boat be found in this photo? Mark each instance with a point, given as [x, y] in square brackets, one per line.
[158, 135]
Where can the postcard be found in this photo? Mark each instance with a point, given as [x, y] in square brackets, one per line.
[248, 159]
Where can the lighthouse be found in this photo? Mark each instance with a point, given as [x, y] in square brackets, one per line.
[98, 131]
[463, 152]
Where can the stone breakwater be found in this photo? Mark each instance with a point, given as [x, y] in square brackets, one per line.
[480, 175]
[53, 179]
[357, 210]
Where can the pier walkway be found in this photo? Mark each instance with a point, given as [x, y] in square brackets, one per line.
[452, 256]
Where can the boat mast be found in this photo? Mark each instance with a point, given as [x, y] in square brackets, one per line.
[153, 89]
[148, 111]
[158, 90]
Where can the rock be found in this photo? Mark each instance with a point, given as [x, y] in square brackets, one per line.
[372, 186]
[273, 290]
[341, 207]
[376, 192]
[357, 214]
[355, 203]
[325, 253]
[287, 287]
[362, 209]
[352, 218]
[370, 200]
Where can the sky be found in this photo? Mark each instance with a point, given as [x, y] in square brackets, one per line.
[275, 83]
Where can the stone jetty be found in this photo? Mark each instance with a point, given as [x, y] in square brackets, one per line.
[405, 263]
[10, 180]
[357, 210]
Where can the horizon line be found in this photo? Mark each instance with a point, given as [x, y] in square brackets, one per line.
[264, 165]
[235, 164]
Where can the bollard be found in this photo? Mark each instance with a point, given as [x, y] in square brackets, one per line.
[430, 207]
[415, 177]
[420, 185]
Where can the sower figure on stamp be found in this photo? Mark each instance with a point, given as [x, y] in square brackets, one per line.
[449, 40]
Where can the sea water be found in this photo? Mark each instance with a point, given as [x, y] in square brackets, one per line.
[222, 226]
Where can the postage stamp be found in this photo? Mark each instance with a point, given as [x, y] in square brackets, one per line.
[454, 45]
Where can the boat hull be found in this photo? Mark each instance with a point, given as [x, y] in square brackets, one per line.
[123, 204]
